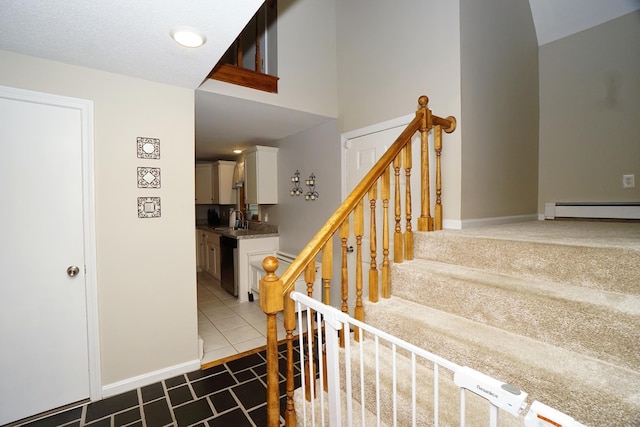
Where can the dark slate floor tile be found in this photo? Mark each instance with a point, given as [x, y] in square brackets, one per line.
[245, 362]
[251, 393]
[260, 369]
[110, 405]
[58, 419]
[152, 392]
[105, 422]
[205, 372]
[175, 381]
[212, 384]
[223, 401]
[259, 415]
[235, 418]
[157, 413]
[127, 417]
[245, 375]
[193, 412]
[180, 395]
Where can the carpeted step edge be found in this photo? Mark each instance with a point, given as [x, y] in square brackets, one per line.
[605, 268]
[601, 324]
[592, 391]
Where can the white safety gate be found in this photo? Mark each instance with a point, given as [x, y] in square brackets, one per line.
[357, 393]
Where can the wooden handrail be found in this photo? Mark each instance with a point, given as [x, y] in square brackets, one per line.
[275, 288]
[311, 250]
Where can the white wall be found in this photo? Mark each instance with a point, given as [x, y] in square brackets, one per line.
[589, 114]
[306, 60]
[145, 267]
[499, 125]
[391, 53]
[314, 151]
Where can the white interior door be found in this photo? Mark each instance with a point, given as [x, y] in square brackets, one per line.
[44, 353]
[361, 153]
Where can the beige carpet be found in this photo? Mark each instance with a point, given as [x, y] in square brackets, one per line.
[552, 307]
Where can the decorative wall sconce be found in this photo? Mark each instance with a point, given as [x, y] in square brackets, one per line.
[296, 190]
[312, 194]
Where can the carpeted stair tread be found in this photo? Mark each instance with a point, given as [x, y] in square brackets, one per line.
[601, 324]
[477, 409]
[306, 415]
[592, 391]
[609, 268]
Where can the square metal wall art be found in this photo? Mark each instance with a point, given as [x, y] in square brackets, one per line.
[148, 207]
[148, 148]
[148, 177]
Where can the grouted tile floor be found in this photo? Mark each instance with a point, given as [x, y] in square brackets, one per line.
[232, 393]
[229, 327]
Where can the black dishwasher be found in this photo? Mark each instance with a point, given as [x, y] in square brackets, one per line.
[228, 264]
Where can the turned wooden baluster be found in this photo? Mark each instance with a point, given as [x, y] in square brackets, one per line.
[373, 268]
[289, 326]
[271, 302]
[310, 278]
[310, 368]
[327, 270]
[327, 267]
[258, 56]
[344, 280]
[397, 235]
[437, 143]
[386, 193]
[358, 231]
[425, 222]
[408, 234]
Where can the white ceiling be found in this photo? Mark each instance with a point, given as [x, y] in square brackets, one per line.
[131, 37]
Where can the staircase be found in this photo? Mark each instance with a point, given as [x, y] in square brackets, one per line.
[552, 307]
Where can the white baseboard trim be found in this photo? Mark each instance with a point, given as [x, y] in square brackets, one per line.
[499, 220]
[149, 378]
[451, 224]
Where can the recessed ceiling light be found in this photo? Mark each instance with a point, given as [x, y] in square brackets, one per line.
[237, 151]
[188, 37]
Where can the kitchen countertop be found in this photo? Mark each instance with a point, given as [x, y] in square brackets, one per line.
[240, 233]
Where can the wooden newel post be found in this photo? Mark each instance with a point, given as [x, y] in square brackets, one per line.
[272, 302]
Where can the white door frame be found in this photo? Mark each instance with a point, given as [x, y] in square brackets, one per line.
[85, 107]
[368, 130]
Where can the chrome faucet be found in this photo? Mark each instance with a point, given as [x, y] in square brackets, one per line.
[241, 221]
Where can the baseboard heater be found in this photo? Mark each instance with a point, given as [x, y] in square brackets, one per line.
[595, 210]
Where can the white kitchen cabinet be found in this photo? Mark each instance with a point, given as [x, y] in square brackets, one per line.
[284, 261]
[222, 175]
[212, 265]
[261, 175]
[201, 249]
[245, 248]
[204, 184]
[214, 183]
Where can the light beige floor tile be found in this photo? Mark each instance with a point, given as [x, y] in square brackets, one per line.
[206, 328]
[244, 307]
[228, 323]
[240, 334]
[250, 344]
[211, 305]
[213, 355]
[219, 313]
[214, 342]
[254, 316]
